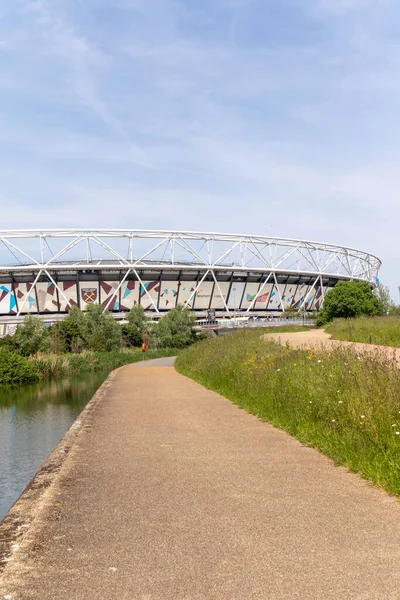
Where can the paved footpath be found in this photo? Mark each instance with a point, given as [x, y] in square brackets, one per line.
[171, 492]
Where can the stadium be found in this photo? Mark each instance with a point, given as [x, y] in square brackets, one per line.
[47, 272]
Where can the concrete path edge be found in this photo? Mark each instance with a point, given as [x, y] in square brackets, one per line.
[31, 502]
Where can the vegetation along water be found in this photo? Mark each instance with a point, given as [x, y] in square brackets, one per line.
[48, 375]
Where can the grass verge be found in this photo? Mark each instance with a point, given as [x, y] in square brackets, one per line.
[382, 331]
[63, 365]
[345, 405]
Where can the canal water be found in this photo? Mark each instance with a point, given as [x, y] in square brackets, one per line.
[33, 419]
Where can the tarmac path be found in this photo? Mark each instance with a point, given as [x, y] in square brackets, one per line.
[171, 492]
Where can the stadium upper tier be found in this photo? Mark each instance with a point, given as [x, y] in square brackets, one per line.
[49, 271]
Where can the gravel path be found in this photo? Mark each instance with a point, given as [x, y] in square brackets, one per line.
[171, 492]
[317, 338]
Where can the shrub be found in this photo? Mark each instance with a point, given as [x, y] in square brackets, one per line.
[99, 330]
[349, 299]
[66, 335]
[175, 329]
[32, 336]
[16, 369]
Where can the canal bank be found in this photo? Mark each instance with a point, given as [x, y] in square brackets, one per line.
[32, 501]
[33, 419]
[169, 491]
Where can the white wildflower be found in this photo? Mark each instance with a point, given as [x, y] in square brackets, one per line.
[340, 401]
[363, 416]
[318, 361]
[358, 358]
[394, 425]
[310, 401]
[333, 420]
[277, 370]
[397, 432]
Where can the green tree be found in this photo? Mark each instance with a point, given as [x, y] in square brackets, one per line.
[349, 299]
[66, 335]
[175, 329]
[32, 336]
[99, 330]
[383, 295]
[134, 331]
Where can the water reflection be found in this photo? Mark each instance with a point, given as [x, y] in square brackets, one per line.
[32, 421]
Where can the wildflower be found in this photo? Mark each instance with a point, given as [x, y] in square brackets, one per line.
[333, 420]
[358, 358]
[394, 425]
[340, 401]
[310, 401]
[397, 432]
[318, 361]
[277, 370]
[363, 416]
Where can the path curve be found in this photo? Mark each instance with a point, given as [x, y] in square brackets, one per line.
[171, 492]
[319, 339]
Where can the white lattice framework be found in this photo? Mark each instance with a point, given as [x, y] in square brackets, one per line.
[48, 252]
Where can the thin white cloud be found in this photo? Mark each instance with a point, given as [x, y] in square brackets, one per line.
[151, 114]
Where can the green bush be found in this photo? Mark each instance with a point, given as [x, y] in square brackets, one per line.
[32, 336]
[99, 330]
[175, 329]
[16, 369]
[349, 299]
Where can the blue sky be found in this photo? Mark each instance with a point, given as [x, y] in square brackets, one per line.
[276, 117]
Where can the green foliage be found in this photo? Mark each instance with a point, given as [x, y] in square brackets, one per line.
[349, 299]
[134, 331]
[382, 294]
[66, 335]
[175, 329]
[9, 342]
[16, 369]
[32, 336]
[382, 331]
[99, 330]
[344, 404]
[94, 329]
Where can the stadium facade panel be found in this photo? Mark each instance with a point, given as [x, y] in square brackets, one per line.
[50, 271]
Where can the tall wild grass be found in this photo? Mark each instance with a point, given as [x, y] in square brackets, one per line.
[383, 331]
[347, 406]
[53, 366]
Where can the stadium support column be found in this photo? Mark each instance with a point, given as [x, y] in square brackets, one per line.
[145, 290]
[27, 294]
[197, 287]
[220, 293]
[258, 293]
[309, 292]
[279, 294]
[59, 290]
[117, 290]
